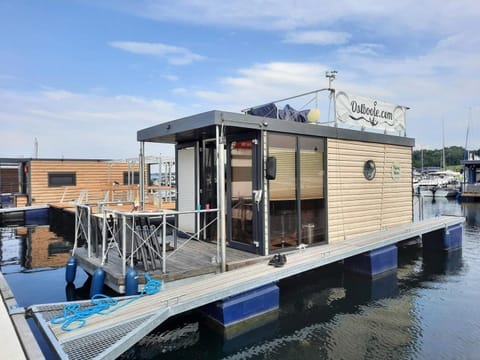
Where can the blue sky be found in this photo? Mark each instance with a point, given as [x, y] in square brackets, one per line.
[83, 76]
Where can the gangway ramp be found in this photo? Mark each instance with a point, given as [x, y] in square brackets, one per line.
[107, 337]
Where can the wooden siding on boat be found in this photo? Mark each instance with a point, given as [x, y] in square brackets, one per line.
[356, 205]
[94, 177]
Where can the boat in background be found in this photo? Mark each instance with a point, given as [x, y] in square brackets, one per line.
[439, 184]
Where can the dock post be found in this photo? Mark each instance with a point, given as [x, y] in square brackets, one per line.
[374, 263]
[447, 239]
[243, 312]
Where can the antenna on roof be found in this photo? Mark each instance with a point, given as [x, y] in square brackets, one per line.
[331, 75]
[35, 149]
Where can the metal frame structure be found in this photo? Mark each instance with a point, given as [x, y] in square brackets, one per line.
[128, 240]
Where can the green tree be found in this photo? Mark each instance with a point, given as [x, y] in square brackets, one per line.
[433, 158]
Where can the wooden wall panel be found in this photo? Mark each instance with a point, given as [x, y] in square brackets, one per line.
[94, 177]
[9, 180]
[356, 205]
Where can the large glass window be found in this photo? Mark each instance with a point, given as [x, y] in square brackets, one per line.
[312, 201]
[283, 192]
[296, 195]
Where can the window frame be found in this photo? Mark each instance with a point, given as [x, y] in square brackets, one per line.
[55, 179]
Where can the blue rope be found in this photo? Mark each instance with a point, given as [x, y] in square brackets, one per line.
[74, 317]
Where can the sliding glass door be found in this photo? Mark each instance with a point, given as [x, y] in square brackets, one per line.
[296, 196]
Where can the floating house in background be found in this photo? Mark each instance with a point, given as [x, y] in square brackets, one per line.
[31, 182]
[470, 188]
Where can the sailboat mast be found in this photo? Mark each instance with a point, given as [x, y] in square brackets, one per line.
[443, 144]
[468, 130]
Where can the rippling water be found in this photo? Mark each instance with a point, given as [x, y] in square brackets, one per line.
[427, 310]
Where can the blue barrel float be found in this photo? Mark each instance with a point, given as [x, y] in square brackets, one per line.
[131, 282]
[71, 270]
[97, 282]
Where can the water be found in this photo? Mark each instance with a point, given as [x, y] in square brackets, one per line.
[428, 310]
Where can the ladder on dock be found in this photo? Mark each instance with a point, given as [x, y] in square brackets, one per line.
[107, 337]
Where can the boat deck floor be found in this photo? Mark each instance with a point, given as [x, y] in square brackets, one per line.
[192, 258]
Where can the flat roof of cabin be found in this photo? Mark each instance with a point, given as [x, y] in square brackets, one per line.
[203, 125]
[470, 162]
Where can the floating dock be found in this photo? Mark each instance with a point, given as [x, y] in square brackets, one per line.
[18, 341]
[108, 336]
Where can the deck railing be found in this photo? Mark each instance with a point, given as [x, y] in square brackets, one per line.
[132, 235]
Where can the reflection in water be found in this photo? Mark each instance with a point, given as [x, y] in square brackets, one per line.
[32, 248]
[442, 263]
[471, 211]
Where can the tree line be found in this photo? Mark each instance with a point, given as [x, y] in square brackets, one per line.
[433, 158]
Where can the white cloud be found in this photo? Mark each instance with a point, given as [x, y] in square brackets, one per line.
[317, 37]
[76, 124]
[265, 82]
[429, 84]
[388, 16]
[175, 55]
[361, 49]
[179, 91]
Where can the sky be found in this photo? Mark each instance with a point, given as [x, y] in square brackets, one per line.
[81, 77]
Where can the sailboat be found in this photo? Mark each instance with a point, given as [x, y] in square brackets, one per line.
[442, 183]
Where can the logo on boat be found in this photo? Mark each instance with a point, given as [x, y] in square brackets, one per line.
[396, 171]
[359, 110]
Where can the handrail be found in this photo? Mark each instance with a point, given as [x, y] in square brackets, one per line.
[142, 242]
[82, 229]
[116, 234]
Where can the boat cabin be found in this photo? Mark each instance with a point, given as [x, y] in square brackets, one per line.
[471, 184]
[278, 184]
[35, 181]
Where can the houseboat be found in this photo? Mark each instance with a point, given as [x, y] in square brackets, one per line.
[289, 181]
[470, 189]
[30, 182]
[252, 184]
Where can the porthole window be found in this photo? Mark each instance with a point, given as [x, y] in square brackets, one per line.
[369, 169]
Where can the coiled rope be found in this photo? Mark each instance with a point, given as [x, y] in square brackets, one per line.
[75, 317]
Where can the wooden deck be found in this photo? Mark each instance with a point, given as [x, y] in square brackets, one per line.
[109, 336]
[193, 258]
